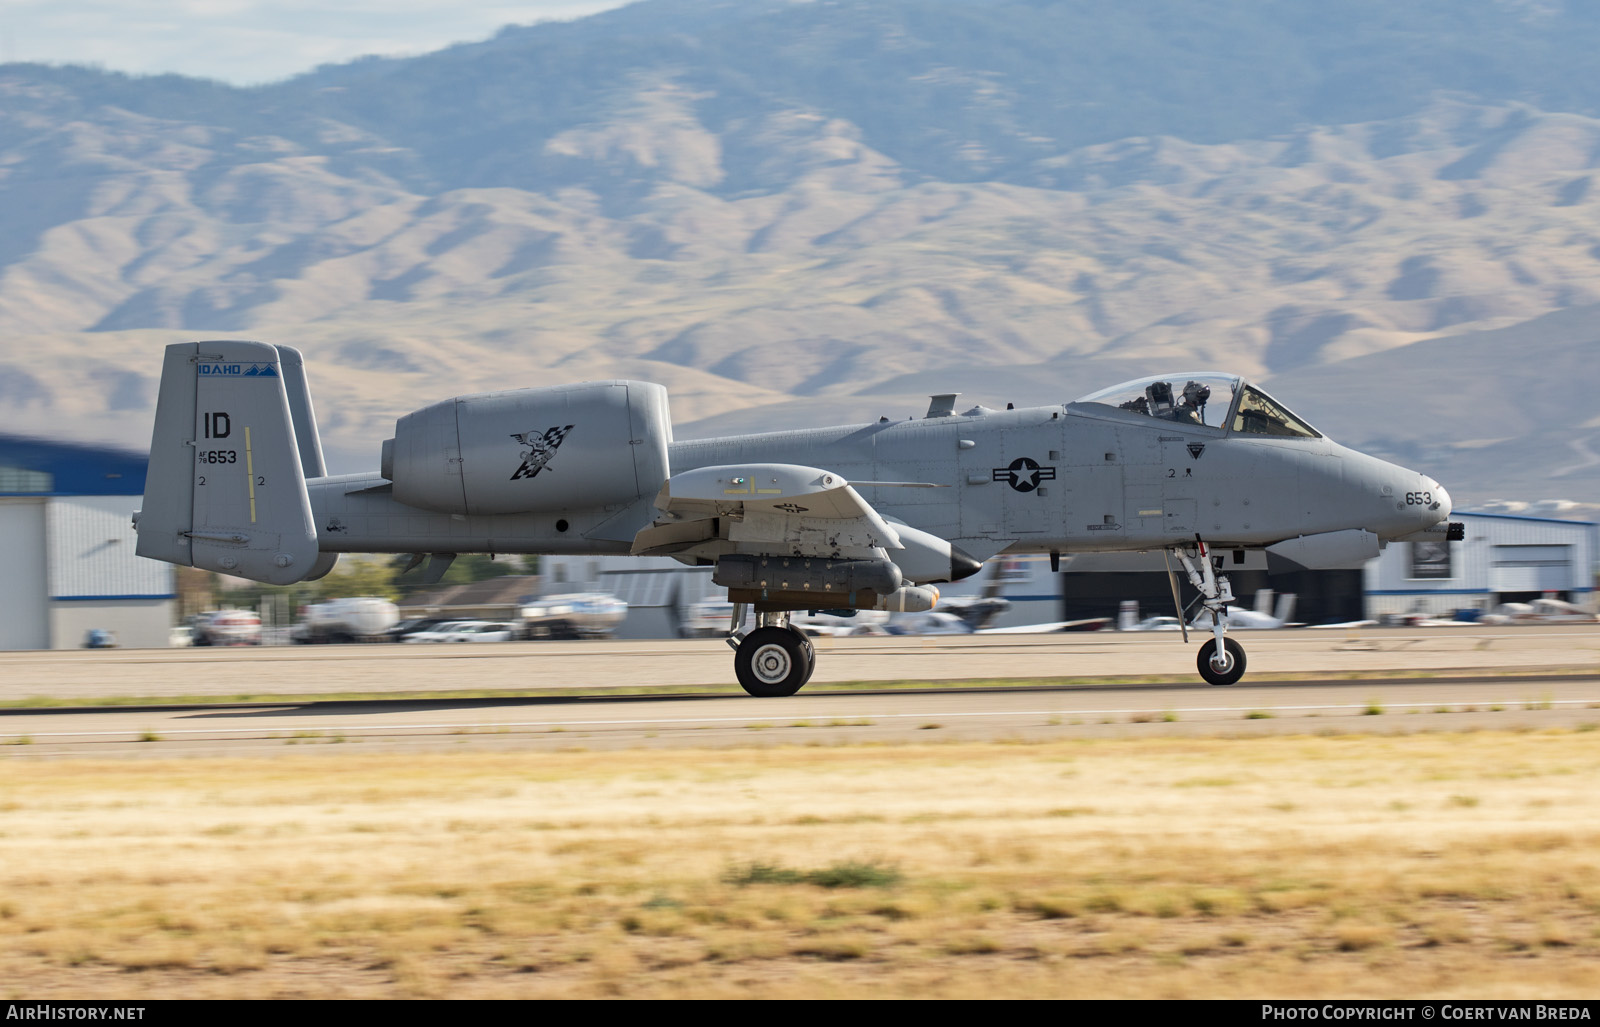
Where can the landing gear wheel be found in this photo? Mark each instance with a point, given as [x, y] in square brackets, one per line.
[1231, 670]
[811, 658]
[773, 661]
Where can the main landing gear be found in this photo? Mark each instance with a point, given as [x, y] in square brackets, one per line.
[773, 660]
[1220, 661]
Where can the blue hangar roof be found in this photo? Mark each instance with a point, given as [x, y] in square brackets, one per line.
[39, 467]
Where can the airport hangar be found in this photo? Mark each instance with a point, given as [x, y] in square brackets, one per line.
[1504, 558]
[67, 544]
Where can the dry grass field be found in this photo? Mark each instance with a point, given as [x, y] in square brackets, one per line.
[1464, 865]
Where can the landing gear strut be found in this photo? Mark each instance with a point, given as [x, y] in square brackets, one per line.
[1220, 661]
[775, 659]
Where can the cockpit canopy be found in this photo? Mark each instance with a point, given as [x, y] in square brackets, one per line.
[1205, 398]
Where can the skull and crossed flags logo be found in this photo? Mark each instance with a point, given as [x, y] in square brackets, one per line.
[540, 449]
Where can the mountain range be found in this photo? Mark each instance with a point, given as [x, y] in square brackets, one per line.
[802, 213]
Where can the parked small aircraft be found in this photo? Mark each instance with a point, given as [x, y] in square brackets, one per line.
[866, 516]
[1238, 617]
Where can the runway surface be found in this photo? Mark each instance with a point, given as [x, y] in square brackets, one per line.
[1298, 681]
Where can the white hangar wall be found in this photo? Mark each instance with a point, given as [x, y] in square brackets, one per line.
[1504, 558]
[96, 580]
[24, 601]
[67, 549]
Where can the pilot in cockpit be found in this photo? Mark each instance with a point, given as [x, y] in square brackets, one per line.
[1158, 401]
[1192, 408]
[1161, 398]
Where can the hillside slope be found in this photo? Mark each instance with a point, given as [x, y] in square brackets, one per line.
[635, 195]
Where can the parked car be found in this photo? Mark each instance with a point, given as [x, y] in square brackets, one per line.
[405, 628]
[479, 631]
[227, 627]
[464, 631]
[427, 631]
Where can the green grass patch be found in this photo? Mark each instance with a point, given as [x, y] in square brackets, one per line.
[848, 873]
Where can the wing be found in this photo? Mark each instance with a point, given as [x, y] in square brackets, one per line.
[764, 508]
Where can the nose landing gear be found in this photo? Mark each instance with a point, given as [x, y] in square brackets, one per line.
[1220, 661]
[775, 659]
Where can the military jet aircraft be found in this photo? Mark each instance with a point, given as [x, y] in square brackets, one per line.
[1199, 465]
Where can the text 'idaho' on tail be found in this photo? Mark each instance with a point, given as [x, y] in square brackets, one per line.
[234, 443]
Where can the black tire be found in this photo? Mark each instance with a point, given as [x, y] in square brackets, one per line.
[1225, 675]
[811, 661]
[772, 662]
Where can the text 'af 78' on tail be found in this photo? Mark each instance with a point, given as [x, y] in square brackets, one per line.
[234, 443]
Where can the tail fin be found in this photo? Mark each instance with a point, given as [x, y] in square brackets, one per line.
[226, 486]
[307, 441]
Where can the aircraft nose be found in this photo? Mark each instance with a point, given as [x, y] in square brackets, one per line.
[1425, 501]
[1410, 500]
[1433, 501]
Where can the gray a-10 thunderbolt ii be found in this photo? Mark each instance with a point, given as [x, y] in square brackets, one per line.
[874, 516]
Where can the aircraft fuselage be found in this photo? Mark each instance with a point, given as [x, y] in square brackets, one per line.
[1030, 480]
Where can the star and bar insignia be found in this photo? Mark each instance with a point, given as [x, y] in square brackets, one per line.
[1024, 474]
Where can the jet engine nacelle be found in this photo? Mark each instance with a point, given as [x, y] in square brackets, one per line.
[568, 447]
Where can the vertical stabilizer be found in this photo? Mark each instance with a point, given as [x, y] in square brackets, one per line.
[226, 488]
[164, 520]
[304, 419]
[300, 413]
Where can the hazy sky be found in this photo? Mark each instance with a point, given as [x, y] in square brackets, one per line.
[252, 41]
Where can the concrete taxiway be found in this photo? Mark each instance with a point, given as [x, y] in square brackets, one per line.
[604, 666]
[1298, 681]
[821, 717]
